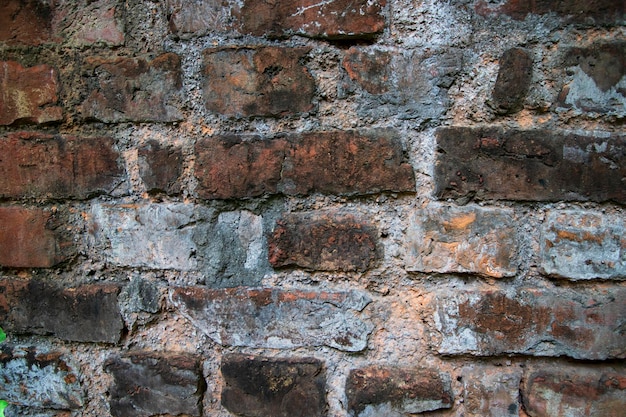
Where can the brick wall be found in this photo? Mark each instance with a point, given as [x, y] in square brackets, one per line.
[300, 208]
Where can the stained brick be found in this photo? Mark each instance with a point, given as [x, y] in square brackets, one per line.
[370, 68]
[513, 81]
[328, 241]
[343, 163]
[28, 238]
[262, 81]
[133, 89]
[151, 384]
[160, 167]
[191, 18]
[39, 379]
[257, 386]
[491, 391]
[556, 322]
[41, 165]
[87, 24]
[380, 390]
[580, 391]
[28, 95]
[582, 245]
[335, 19]
[277, 319]
[541, 165]
[471, 239]
[594, 11]
[26, 22]
[88, 313]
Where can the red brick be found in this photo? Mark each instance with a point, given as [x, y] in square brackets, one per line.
[151, 383]
[327, 241]
[191, 18]
[369, 68]
[513, 82]
[88, 24]
[550, 322]
[335, 19]
[28, 95]
[540, 165]
[470, 239]
[587, 11]
[380, 390]
[88, 313]
[160, 167]
[26, 22]
[28, 238]
[256, 386]
[133, 89]
[342, 163]
[277, 319]
[580, 390]
[41, 165]
[262, 81]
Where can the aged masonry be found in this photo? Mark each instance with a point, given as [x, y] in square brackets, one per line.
[313, 208]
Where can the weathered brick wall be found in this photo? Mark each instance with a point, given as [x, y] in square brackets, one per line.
[302, 208]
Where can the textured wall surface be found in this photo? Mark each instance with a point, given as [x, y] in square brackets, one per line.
[340, 208]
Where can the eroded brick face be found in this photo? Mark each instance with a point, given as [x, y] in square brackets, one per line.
[513, 80]
[26, 22]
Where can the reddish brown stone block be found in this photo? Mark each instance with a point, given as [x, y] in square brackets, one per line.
[342, 163]
[257, 386]
[28, 238]
[581, 390]
[534, 165]
[151, 383]
[263, 81]
[41, 165]
[369, 68]
[557, 322]
[327, 241]
[26, 22]
[28, 95]
[88, 313]
[584, 11]
[133, 89]
[160, 167]
[513, 81]
[378, 390]
[334, 19]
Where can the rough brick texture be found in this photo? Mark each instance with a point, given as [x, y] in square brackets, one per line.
[539, 165]
[160, 167]
[29, 95]
[277, 319]
[513, 80]
[472, 239]
[88, 313]
[259, 386]
[29, 238]
[151, 384]
[39, 379]
[385, 390]
[595, 11]
[25, 22]
[569, 322]
[263, 81]
[58, 166]
[491, 391]
[581, 391]
[345, 163]
[324, 241]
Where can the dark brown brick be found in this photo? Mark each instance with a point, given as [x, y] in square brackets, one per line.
[513, 81]
[327, 241]
[335, 19]
[580, 390]
[39, 379]
[133, 89]
[41, 165]
[540, 165]
[342, 163]
[28, 95]
[605, 63]
[26, 22]
[380, 390]
[305, 318]
[556, 322]
[160, 167]
[151, 384]
[585, 11]
[258, 386]
[369, 68]
[89, 313]
[28, 238]
[263, 81]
